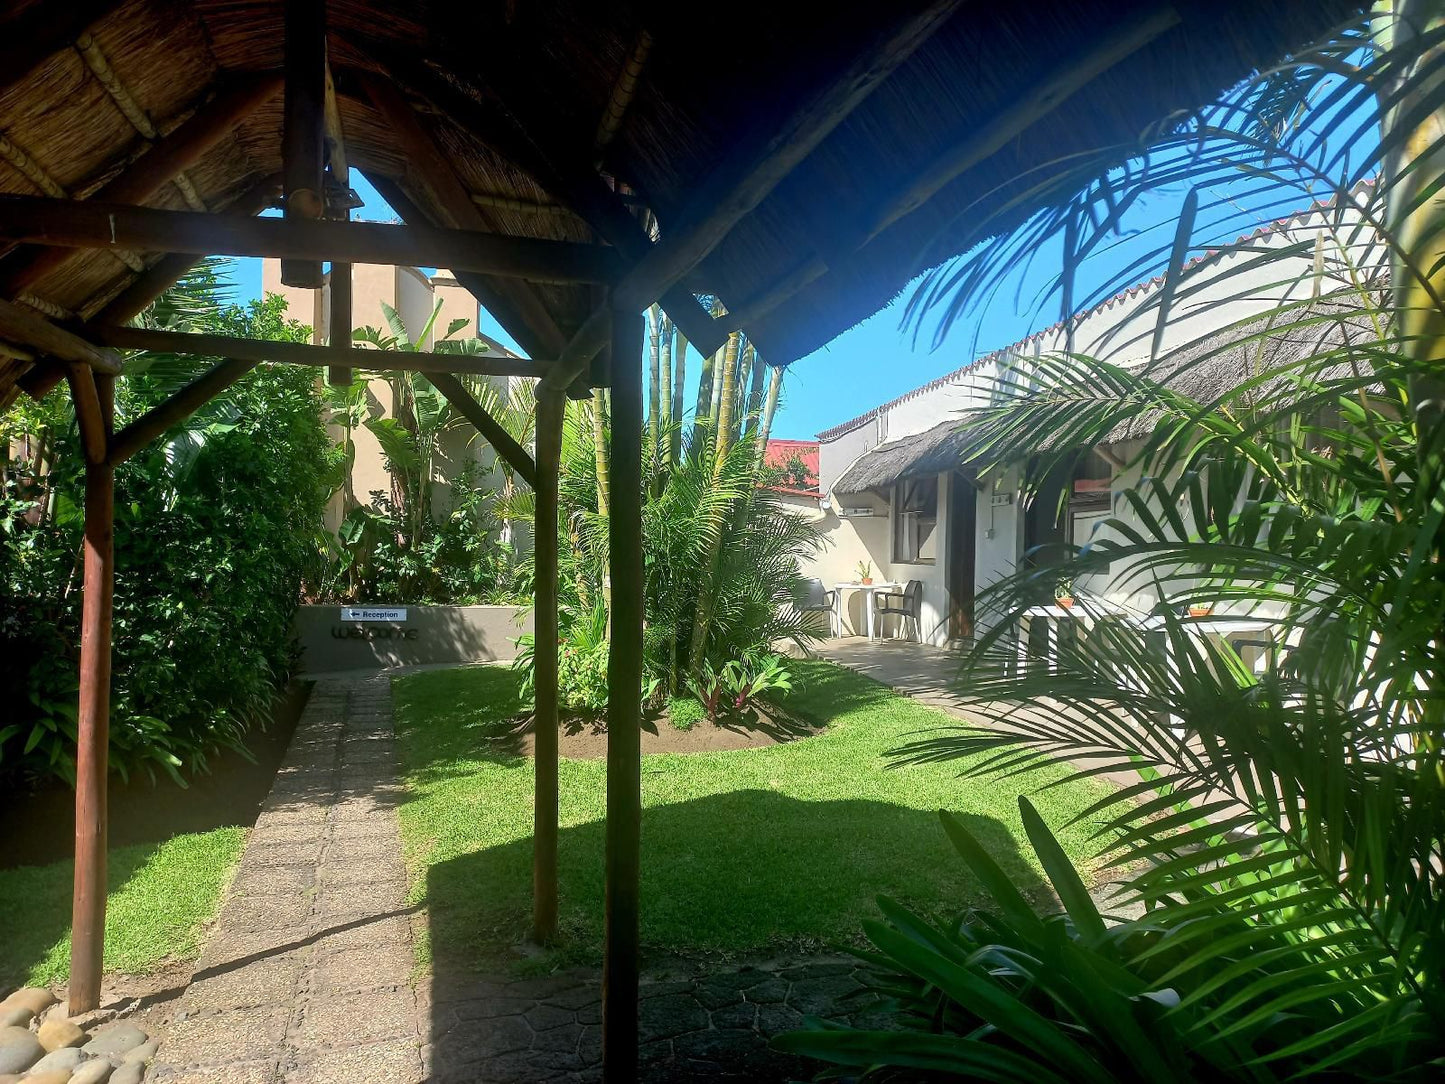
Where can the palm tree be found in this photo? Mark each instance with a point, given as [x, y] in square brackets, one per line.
[1284, 840]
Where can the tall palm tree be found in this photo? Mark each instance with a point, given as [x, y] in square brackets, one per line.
[1284, 838]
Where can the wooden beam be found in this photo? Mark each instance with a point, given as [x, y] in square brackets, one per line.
[33, 37]
[176, 409]
[624, 708]
[90, 224]
[1053, 85]
[340, 329]
[573, 183]
[20, 325]
[140, 180]
[741, 181]
[284, 353]
[87, 944]
[303, 141]
[551, 408]
[491, 429]
[425, 157]
[171, 268]
[146, 287]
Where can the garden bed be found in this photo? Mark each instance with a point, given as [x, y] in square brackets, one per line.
[586, 739]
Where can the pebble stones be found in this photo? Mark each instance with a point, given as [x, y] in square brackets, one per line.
[116, 1040]
[67, 1059]
[35, 998]
[130, 1073]
[93, 1072]
[58, 1033]
[19, 1049]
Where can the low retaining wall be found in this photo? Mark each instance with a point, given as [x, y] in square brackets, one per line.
[358, 637]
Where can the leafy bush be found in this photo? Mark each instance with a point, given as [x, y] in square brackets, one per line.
[581, 663]
[685, 712]
[216, 526]
[732, 689]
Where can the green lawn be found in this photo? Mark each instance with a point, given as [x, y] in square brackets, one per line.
[160, 897]
[746, 850]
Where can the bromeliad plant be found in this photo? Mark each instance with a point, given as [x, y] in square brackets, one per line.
[1285, 838]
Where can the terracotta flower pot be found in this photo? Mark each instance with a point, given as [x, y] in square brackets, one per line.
[1066, 602]
[1200, 611]
[867, 581]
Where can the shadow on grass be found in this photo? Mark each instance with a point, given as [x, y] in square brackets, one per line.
[743, 874]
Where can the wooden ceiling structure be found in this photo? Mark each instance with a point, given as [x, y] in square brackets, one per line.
[571, 162]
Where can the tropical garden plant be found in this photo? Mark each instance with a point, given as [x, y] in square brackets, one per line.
[217, 525]
[395, 547]
[1280, 858]
[721, 553]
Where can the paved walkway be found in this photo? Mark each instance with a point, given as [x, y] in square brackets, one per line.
[307, 974]
[925, 673]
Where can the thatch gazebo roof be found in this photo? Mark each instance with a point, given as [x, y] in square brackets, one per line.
[562, 120]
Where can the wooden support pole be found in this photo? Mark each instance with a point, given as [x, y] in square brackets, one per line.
[228, 346]
[93, 225]
[491, 429]
[178, 151]
[176, 409]
[341, 320]
[303, 151]
[87, 945]
[551, 406]
[624, 707]
[89, 414]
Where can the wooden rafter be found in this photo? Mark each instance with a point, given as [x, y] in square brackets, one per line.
[146, 287]
[623, 91]
[95, 225]
[1050, 89]
[742, 181]
[179, 406]
[88, 412]
[285, 353]
[20, 325]
[426, 158]
[139, 181]
[576, 186]
[484, 288]
[731, 192]
[491, 430]
[42, 31]
[303, 140]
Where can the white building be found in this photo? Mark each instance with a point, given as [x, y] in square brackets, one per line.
[894, 491]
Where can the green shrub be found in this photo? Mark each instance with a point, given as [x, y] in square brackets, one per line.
[685, 712]
[215, 528]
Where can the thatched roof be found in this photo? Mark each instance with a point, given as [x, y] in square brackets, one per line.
[918, 456]
[1311, 342]
[518, 95]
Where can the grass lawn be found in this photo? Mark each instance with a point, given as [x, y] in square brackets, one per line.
[160, 896]
[745, 850]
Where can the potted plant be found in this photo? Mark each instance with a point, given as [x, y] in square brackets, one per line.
[865, 572]
[1201, 609]
[1064, 591]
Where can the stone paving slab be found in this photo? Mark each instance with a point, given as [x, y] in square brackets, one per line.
[306, 976]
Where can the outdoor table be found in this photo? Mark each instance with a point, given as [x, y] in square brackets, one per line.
[1056, 619]
[869, 590]
[1223, 628]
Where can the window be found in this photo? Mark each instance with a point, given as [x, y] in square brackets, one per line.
[1090, 497]
[915, 521]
